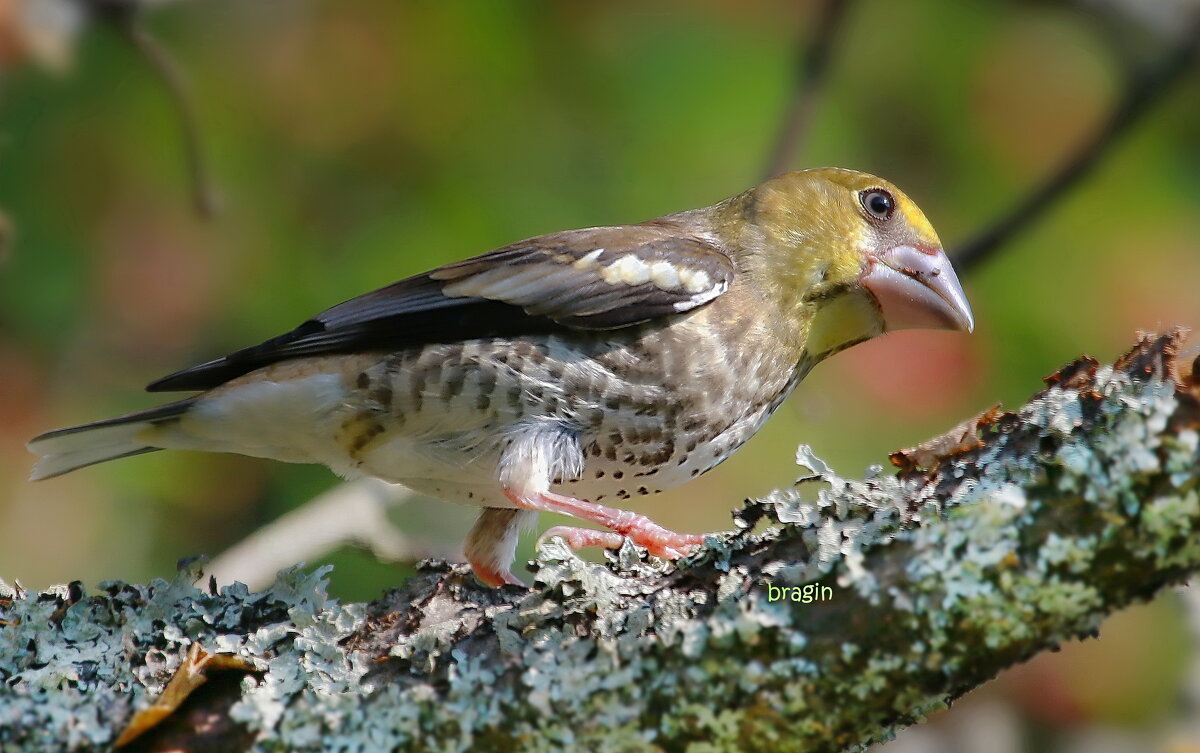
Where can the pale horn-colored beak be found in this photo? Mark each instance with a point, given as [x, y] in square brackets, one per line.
[917, 289]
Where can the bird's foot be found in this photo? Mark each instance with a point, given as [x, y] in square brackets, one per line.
[495, 576]
[642, 531]
[659, 541]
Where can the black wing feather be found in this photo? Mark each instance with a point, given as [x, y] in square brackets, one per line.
[552, 283]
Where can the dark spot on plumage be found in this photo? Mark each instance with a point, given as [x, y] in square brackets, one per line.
[691, 445]
[600, 497]
[536, 393]
[682, 460]
[593, 449]
[599, 474]
[557, 480]
[695, 472]
[622, 494]
[483, 401]
[645, 409]
[514, 395]
[363, 381]
[616, 437]
[453, 386]
[596, 417]
[659, 458]
[487, 382]
[693, 423]
[613, 402]
[395, 362]
[554, 371]
[416, 390]
[643, 491]
[628, 459]
[383, 394]
[618, 475]
[470, 495]
[610, 452]
[365, 434]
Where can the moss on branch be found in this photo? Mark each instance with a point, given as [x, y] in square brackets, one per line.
[1023, 532]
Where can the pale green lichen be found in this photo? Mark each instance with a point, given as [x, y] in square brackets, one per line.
[938, 579]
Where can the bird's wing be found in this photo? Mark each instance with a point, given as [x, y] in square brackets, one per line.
[597, 278]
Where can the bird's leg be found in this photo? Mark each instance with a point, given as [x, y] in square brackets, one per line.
[642, 531]
[492, 544]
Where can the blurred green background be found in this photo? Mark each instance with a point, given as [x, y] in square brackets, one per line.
[357, 143]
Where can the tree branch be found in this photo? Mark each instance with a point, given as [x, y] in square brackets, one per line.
[1024, 532]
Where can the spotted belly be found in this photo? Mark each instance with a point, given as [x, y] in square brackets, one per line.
[616, 467]
[645, 417]
[618, 479]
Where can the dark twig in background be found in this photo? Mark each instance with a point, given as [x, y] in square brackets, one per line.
[1144, 89]
[127, 21]
[812, 63]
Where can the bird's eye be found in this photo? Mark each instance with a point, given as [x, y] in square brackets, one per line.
[879, 203]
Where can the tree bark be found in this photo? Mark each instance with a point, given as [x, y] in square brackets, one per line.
[1002, 539]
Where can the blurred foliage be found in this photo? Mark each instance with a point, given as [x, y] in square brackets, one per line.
[356, 143]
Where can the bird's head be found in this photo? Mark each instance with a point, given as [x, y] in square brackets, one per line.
[845, 256]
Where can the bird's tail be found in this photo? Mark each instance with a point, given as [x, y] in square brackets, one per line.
[64, 450]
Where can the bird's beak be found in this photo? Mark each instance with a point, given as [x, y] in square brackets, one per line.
[917, 289]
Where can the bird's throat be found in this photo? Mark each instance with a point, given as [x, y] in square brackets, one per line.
[840, 322]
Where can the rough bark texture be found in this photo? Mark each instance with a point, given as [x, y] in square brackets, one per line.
[1025, 530]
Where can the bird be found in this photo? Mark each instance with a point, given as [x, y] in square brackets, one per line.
[569, 369]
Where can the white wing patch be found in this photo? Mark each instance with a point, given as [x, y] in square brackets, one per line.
[664, 275]
[588, 260]
[702, 297]
[628, 269]
[582, 280]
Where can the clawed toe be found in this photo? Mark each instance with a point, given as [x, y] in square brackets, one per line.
[657, 541]
[579, 538]
[496, 577]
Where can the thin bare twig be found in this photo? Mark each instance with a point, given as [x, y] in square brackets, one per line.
[128, 22]
[812, 66]
[1144, 90]
[353, 513]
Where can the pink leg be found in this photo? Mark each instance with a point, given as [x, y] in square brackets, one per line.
[640, 529]
[492, 542]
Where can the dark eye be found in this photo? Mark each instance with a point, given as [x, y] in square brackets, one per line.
[879, 203]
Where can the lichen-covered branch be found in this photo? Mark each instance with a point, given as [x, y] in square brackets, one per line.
[1024, 531]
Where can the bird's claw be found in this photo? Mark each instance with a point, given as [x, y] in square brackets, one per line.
[657, 540]
[496, 577]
